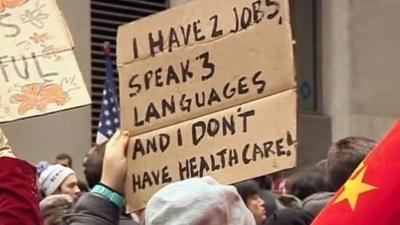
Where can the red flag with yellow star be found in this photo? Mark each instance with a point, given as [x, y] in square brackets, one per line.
[371, 196]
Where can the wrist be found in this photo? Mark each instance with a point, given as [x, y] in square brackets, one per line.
[113, 184]
[110, 194]
[110, 188]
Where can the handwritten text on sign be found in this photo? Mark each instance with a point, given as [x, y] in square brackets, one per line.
[192, 81]
[228, 139]
[38, 70]
[202, 97]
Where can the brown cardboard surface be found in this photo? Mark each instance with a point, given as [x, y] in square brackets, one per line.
[266, 125]
[222, 75]
[195, 15]
[233, 59]
[38, 70]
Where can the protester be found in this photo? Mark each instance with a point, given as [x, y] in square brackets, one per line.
[93, 164]
[250, 194]
[307, 181]
[41, 166]
[54, 207]
[370, 195]
[265, 184]
[198, 201]
[58, 179]
[64, 159]
[19, 199]
[343, 158]
[103, 205]
[83, 187]
[93, 167]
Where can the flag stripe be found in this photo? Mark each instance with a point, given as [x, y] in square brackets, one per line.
[110, 112]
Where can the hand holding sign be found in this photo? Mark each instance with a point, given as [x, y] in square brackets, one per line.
[114, 164]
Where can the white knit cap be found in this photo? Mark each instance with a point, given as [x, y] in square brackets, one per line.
[52, 177]
[197, 201]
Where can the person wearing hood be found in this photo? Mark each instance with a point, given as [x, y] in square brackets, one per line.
[250, 194]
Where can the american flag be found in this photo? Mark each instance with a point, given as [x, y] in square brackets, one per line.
[109, 116]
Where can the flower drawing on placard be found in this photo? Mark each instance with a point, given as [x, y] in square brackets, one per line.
[39, 38]
[50, 52]
[42, 39]
[35, 16]
[4, 4]
[38, 96]
[69, 84]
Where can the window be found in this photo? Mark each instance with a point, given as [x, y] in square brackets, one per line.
[106, 16]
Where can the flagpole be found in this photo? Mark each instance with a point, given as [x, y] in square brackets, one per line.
[109, 69]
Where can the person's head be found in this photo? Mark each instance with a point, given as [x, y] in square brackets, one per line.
[307, 181]
[64, 159]
[294, 216]
[264, 182]
[344, 156]
[250, 193]
[83, 186]
[93, 164]
[58, 179]
[41, 166]
[54, 207]
[197, 201]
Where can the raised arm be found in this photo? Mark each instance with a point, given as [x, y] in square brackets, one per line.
[103, 205]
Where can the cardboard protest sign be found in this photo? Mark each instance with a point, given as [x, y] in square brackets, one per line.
[38, 70]
[210, 79]
[240, 142]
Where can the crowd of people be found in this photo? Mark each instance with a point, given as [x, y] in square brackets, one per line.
[52, 194]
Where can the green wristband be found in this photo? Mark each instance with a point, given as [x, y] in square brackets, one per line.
[113, 196]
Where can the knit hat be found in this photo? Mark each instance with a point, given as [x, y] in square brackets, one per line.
[52, 177]
[41, 166]
[197, 201]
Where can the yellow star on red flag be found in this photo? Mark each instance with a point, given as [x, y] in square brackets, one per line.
[370, 196]
[353, 188]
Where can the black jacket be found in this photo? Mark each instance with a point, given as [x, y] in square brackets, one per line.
[94, 209]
